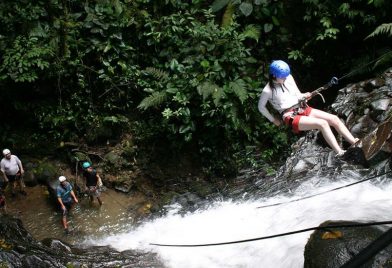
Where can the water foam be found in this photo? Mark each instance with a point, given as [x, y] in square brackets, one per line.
[230, 221]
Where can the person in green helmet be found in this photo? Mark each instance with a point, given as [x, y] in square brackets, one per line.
[92, 182]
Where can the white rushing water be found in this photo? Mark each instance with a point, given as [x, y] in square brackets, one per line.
[236, 220]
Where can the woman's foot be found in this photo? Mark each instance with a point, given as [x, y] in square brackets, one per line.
[341, 153]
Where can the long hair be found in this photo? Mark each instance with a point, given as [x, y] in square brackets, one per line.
[271, 79]
[272, 84]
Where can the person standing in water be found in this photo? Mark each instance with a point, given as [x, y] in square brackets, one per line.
[66, 198]
[12, 170]
[283, 94]
[92, 181]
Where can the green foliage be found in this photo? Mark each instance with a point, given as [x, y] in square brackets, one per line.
[384, 61]
[266, 12]
[201, 87]
[154, 100]
[330, 20]
[177, 69]
[25, 60]
[251, 31]
[383, 29]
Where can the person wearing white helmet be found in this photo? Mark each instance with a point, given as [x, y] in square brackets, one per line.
[12, 170]
[66, 198]
[283, 94]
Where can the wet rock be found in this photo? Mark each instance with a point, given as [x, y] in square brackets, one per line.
[380, 105]
[114, 161]
[124, 181]
[57, 246]
[19, 249]
[335, 246]
[45, 171]
[29, 177]
[363, 125]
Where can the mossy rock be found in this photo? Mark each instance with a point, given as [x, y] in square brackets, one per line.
[45, 171]
[114, 161]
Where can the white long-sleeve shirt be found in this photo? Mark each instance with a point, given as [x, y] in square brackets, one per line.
[281, 98]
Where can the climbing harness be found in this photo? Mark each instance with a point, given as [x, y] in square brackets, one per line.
[327, 228]
[334, 189]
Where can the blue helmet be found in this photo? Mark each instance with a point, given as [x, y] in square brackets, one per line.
[279, 69]
[86, 165]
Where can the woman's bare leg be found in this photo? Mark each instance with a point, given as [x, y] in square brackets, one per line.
[309, 123]
[336, 123]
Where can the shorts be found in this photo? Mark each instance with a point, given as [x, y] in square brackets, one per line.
[12, 178]
[93, 191]
[68, 206]
[293, 116]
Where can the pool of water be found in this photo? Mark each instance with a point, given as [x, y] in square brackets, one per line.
[41, 215]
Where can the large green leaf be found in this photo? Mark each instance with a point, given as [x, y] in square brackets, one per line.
[246, 8]
[218, 5]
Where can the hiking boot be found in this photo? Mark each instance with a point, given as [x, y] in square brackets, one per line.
[66, 231]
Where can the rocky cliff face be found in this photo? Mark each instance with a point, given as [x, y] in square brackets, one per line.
[366, 108]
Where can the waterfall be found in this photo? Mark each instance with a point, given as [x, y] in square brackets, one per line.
[241, 219]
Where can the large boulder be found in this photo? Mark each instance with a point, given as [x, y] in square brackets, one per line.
[44, 171]
[333, 247]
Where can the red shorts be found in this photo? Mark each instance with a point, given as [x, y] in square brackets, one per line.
[292, 117]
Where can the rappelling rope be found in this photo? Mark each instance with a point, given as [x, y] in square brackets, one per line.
[334, 189]
[326, 228]
[335, 81]
[355, 70]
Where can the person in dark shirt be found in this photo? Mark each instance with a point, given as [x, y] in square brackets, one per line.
[92, 182]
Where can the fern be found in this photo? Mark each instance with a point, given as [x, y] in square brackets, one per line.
[154, 100]
[239, 88]
[383, 29]
[227, 18]
[206, 89]
[217, 95]
[251, 31]
[157, 73]
[384, 60]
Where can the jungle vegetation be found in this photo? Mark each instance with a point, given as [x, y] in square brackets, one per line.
[186, 74]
